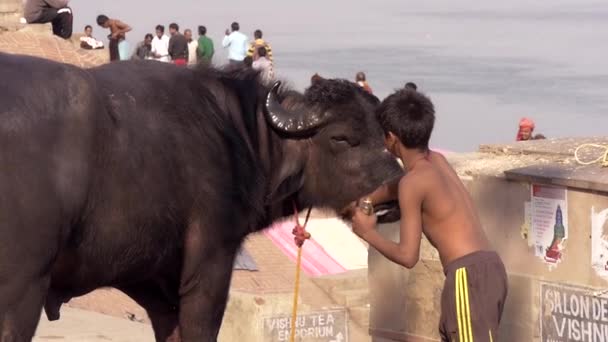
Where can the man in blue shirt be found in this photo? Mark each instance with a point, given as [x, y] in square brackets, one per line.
[236, 43]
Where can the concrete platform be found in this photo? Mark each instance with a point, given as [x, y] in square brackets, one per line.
[86, 326]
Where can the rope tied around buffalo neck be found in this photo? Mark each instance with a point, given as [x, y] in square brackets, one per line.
[300, 236]
[602, 159]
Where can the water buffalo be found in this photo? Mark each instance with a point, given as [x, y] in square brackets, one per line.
[147, 177]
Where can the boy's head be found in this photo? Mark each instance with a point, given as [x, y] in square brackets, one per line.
[360, 77]
[88, 30]
[235, 26]
[257, 34]
[411, 85]
[407, 118]
[262, 52]
[160, 30]
[103, 20]
[248, 61]
[173, 28]
[202, 30]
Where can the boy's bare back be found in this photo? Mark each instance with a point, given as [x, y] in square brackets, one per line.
[449, 218]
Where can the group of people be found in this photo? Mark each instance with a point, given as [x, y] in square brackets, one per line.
[256, 55]
[183, 49]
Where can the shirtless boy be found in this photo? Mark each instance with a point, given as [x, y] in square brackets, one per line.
[117, 33]
[433, 201]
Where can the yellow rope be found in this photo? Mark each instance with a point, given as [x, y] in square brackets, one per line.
[603, 158]
[294, 312]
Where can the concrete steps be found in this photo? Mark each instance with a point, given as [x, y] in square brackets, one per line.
[350, 290]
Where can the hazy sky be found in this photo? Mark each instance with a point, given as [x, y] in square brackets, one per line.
[484, 63]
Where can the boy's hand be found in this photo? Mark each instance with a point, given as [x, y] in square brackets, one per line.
[362, 223]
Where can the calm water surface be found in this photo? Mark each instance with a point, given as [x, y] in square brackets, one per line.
[484, 64]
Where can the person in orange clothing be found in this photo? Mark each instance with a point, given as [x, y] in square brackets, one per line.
[526, 127]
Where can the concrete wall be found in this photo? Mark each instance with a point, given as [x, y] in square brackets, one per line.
[405, 304]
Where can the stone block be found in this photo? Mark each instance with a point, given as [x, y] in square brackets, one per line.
[46, 28]
[245, 313]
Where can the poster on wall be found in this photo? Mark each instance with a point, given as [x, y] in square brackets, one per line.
[599, 241]
[549, 222]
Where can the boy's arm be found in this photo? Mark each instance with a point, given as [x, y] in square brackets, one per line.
[407, 251]
[386, 192]
[122, 28]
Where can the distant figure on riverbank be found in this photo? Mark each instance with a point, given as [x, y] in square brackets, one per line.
[192, 46]
[205, 49]
[411, 85]
[236, 43]
[315, 78]
[160, 45]
[526, 128]
[144, 48]
[117, 37]
[178, 46]
[88, 42]
[264, 65]
[258, 43]
[360, 79]
[55, 12]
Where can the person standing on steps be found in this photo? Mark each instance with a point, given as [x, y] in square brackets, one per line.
[118, 31]
[236, 43]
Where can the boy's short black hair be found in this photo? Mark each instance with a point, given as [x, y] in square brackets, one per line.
[149, 36]
[88, 27]
[257, 34]
[410, 115]
[235, 26]
[160, 28]
[248, 61]
[174, 26]
[202, 30]
[262, 52]
[102, 19]
[411, 85]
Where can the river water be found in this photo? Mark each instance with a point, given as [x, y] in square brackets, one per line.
[485, 64]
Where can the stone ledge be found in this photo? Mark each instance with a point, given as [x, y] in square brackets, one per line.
[562, 147]
[591, 177]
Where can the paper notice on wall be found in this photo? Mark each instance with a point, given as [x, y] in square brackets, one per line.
[599, 242]
[549, 218]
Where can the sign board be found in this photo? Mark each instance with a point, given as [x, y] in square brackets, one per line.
[572, 314]
[321, 326]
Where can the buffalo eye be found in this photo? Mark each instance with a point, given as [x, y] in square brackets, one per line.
[342, 140]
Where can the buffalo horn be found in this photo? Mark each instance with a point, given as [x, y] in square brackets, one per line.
[297, 121]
